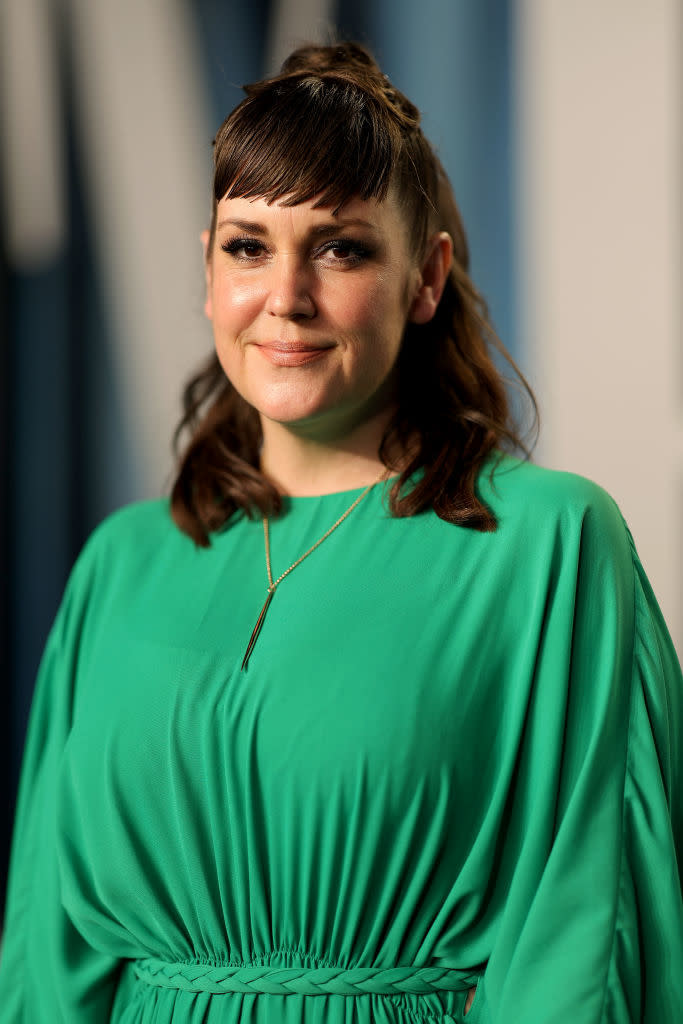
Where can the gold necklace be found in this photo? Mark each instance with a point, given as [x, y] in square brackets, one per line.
[274, 584]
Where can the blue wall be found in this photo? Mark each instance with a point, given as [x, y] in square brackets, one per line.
[453, 58]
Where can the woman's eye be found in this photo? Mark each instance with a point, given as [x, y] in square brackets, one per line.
[344, 250]
[340, 251]
[244, 248]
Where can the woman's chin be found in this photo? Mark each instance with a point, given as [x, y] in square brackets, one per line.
[296, 410]
[294, 417]
[322, 415]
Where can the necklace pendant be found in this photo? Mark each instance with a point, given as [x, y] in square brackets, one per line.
[273, 584]
[257, 628]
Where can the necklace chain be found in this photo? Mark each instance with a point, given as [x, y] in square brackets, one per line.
[274, 584]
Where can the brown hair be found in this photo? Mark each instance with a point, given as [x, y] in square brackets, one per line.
[331, 126]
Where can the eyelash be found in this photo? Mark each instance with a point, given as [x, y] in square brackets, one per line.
[234, 245]
[357, 251]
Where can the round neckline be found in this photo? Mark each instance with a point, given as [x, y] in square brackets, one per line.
[292, 500]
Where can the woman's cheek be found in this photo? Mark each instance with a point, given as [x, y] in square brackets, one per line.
[237, 302]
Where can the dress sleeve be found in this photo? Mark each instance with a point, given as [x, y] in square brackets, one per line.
[591, 929]
[48, 973]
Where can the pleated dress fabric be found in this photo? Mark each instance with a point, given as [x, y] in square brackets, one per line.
[454, 758]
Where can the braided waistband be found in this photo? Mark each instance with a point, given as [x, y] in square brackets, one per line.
[255, 979]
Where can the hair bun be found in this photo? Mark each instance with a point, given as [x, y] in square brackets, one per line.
[351, 62]
[341, 57]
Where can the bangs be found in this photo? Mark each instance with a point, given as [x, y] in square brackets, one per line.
[306, 137]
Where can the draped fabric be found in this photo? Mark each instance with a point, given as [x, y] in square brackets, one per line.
[454, 758]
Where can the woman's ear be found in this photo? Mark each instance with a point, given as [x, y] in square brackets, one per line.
[208, 274]
[433, 276]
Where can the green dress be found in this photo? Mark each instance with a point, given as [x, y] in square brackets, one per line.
[453, 758]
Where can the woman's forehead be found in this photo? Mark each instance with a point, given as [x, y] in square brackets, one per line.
[371, 214]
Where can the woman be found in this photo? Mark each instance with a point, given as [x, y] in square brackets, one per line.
[375, 723]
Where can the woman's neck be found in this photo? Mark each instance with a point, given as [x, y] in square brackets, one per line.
[303, 465]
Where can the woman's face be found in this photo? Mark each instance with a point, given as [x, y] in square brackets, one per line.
[308, 309]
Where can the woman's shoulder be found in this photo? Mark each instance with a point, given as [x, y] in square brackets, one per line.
[138, 523]
[130, 537]
[516, 488]
[557, 516]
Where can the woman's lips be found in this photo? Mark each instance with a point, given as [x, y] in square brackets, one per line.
[295, 354]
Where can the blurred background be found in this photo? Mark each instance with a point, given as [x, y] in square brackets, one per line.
[560, 126]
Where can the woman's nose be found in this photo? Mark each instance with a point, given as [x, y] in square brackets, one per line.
[289, 294]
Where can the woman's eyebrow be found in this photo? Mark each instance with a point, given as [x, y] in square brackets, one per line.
[341, 222]
[254, 228]
[251, 227]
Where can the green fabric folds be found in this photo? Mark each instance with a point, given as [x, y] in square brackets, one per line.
[449, 750]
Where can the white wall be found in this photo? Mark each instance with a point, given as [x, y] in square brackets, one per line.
[144, 138]
[600, 98]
